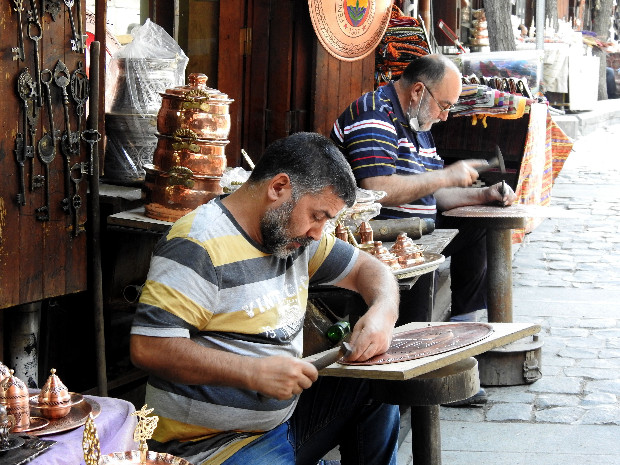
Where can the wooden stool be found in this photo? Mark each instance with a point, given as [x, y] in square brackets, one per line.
[424, 394]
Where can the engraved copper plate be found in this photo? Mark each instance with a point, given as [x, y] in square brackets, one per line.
[432, 340]
[350, 29]
[35, 424]
[76, 417]
[512, 211]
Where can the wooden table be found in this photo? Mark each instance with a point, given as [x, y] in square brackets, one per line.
[499, 223]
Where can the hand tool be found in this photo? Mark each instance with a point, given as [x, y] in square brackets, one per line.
[335, 354]
[449, 33]
[19, 156]
[502, 168]
[18, 52]
[493, 163]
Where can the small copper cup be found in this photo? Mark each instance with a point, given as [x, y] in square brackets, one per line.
[54, 398]
[14, 396]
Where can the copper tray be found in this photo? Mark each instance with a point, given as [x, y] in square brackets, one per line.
[36, 423]
[431, 340]
[431, 262]
[350, 29]
[76, 417]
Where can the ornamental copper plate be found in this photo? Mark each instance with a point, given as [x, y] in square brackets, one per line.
[431, 262]
[432, 340]
[350, 29]
[76, 417]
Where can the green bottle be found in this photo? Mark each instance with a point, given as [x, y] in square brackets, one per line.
[338, 331]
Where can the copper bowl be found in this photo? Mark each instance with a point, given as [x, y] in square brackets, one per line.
[202, 156]
[172, 194]
[197, 107]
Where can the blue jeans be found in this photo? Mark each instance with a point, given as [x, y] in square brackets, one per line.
[334, 411]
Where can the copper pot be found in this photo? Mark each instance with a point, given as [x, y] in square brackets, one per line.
[202, 156]
[14, 396]
[197, 107]
[172, 194]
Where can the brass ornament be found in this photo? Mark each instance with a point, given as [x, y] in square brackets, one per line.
[144, 430]
[90, 442]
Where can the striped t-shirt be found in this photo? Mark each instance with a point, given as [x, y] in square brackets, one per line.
[210, 282]
[375, 136]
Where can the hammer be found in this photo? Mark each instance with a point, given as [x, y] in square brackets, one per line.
[332, 356]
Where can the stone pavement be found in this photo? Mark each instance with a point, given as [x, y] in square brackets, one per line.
[566, 278]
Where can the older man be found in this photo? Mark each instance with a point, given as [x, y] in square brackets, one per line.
[219, 325]
[386, 138]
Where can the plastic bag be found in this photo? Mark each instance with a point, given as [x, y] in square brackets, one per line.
[153, 62]
[233, 178]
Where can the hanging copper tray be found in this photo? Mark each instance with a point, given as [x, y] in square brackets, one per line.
[432, 340]
[76, 417]
[350, 29]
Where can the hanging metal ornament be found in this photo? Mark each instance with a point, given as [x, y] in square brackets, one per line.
[350, 29]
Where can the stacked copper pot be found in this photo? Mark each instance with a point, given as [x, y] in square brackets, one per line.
[193, 124]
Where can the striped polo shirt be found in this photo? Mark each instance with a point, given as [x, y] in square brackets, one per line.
[375, 136]
[210, 282]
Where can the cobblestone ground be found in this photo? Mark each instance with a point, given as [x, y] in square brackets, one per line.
[567, 272]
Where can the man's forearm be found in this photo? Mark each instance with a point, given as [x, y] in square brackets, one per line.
[401, 190]
[184, 361]
[453, 197]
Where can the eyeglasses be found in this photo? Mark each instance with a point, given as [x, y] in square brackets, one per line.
[441, 108]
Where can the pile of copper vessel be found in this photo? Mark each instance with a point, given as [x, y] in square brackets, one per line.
[193, 124]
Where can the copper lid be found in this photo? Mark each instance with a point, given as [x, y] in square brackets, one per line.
[196, 90]
[13, 390]
[4, 371]
[54, 392]
[366, 233]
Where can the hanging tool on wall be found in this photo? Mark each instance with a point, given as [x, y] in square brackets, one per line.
[47, 146]
[26, 90]
[79, 92]
[35, 32]
[76, 42]
[18, 52]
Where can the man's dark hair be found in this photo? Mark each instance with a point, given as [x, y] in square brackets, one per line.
[312, 162]
[428, 69]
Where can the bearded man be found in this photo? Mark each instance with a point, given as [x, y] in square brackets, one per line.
[219, 324]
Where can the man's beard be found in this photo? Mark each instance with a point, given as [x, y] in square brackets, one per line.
[274, 230]
[424, 117]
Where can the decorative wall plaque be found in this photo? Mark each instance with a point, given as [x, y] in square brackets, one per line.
[350, 29]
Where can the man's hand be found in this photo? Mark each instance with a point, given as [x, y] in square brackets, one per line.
[494, 195]
[463, 173]
[372, 335]
[282, 377]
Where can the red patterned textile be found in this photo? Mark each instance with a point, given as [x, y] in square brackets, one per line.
[543, 159]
